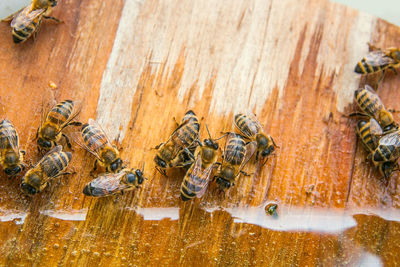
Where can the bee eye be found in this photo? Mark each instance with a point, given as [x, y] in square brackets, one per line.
[13, 171]
[44, 143]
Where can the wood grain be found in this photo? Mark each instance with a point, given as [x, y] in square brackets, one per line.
[137, 64]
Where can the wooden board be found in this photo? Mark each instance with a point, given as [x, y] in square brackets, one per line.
[137, 64]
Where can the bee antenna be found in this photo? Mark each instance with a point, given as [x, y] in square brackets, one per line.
[143, 166]
[208, 132]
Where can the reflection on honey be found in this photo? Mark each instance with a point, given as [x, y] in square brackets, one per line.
[248, 235]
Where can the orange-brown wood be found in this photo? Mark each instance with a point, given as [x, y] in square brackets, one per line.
[135, 65]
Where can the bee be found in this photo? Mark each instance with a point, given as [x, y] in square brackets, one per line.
[378, 60]
[114, 183]
[372, 106]
[97, 143]
[388, 149]
[369, 133]
[251, 128]
[198, 175]
[59, 117]
[52, 165]
[11, 156]
[176, 151]
[27, 21]
[235, 156]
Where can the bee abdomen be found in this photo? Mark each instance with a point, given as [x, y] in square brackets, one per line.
[192, 182]
[61, 112]
[383, 153]
[92, 135]
[8, 135]
[55, 163]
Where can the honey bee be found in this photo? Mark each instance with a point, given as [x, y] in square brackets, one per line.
[113, 183]
[235, 156]
[59, 117]
[379, 60]
[372, 106]
[52, 165]
[97, 143]
[11, 156]
[388, 149]
[198, 175]
[176, 151]
[27, 21]
[251, 128]
[369, 133]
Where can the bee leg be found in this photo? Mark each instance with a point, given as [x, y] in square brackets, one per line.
[75, 123]
[63, 173]
[372, 47]
[67, 141]
[272, 139]
[354, 114]
[163, 172]
[158, 146]
[244, 173]
[53, 18]
[177, 124]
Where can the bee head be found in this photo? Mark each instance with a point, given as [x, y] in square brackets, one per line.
[28, 189]
[52, 3]
[223, 184]
[160, 162]
[43, 143]
[267, 151]
[12, 170]
[387, 168]
[211, 143]
[116, 165]
[87, 190]
[139, 175]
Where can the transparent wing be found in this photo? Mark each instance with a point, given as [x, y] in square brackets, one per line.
[108, 184]
[47, 104]
[26, 16]
[75, 112]
[375, 128]
[252, 125]
[98, 126]
[234, 148]
[199, 177]
[251, 147]
[78, 139]
[392, 139]
[11, 137]
[55, 149]
[378, 58]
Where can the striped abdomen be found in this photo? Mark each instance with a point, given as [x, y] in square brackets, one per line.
[385, 153]
[93, 137]
[22, 35]
[192, 184]
[364, 131]
[189, 132]
[61, 112]
[368, 101]
[363, 67]
[8, 135]
[246, 125]
[55, 163]
[235, 150]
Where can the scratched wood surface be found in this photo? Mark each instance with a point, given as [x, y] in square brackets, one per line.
[137, 64]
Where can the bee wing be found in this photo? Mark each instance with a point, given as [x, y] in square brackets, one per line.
[78, 139]
[12, 139]
[392, 139]
[233, 152]
[53, 150]
[97, 125]
[108, 184]
[251, 147]
[200, 176]
[26, 16]
[75, 112]
[251, 128]
[376, 103]
[375, 128]
[378, 58]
